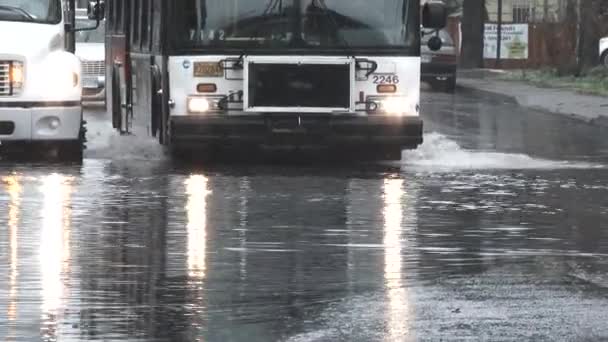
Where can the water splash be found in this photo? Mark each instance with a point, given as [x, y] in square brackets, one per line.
[105, 143]
[440, 153]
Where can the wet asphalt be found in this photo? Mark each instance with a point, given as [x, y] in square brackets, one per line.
[496, 229]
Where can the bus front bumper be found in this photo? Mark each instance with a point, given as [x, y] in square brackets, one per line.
[28, 122]
[297, 131]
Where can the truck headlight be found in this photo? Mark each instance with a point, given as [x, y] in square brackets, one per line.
[63, 80]
[17, 76]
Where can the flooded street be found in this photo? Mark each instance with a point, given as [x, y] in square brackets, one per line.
[495, 229]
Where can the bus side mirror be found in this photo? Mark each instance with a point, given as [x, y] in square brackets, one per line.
[435, 43]
[96, 10]
[434, 15]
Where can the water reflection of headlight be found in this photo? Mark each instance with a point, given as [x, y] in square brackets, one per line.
[55, 240]
[196, 208]
[13, 188]
[398, 304]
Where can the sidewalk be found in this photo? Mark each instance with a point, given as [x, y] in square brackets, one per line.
[559, 101]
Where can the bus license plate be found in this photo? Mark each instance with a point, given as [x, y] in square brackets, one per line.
[208, 69]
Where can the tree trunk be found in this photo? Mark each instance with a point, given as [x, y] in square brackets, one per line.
[473, 15]
[569, 66]
[590, 33]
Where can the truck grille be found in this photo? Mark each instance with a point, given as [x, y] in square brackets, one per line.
[5, 84]
[93, 68]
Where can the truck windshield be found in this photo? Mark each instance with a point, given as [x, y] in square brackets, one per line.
[300, 24]
[38, 11]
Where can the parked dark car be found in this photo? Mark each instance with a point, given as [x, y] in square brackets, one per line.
[439, 67]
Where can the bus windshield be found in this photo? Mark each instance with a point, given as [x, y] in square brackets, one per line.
[38, 11]
[301, 24]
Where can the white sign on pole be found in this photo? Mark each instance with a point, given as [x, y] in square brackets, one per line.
[514, 41]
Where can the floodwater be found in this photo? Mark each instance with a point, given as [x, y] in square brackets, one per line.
[495, 229]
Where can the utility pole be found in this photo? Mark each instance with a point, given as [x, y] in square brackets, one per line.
[499, 36]
[578, 36]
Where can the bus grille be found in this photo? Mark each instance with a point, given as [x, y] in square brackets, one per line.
[5, 85]
[93, 68]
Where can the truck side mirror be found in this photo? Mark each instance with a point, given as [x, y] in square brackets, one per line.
[96, 10]
[434, 15]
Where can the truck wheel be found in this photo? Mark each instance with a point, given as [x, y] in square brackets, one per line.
[605, 58]
[73, 151]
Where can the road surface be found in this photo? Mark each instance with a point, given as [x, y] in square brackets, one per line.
[494, 230]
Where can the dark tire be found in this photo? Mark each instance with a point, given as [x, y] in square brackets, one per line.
[73, 151]
[391, 154]
[190, 154]
[449, 85]
[116, 100]
[604, 59]
[158, 131]
[363, 154]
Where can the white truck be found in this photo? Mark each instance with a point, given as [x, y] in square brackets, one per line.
[40, 78]
[604, 51]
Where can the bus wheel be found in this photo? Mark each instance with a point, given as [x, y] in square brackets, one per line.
[193, 155]
[449, 85]
[116, 100]
[158, 130]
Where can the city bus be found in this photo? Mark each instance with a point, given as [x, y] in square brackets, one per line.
[201, 75]
[40, 77]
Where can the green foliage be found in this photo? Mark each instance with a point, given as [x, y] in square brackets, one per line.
[592, 81]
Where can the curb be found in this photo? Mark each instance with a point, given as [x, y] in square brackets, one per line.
[600, 120]
[486, 93]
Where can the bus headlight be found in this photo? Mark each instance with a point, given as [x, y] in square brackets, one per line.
[203, 104]
[399, 105]
[16, 76]
[198, 105]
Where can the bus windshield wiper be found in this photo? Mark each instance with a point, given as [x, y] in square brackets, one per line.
[325, 10]
[17, 10]
[372, 65]
[272, 6]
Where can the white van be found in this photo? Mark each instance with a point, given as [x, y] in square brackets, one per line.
[40, 82]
